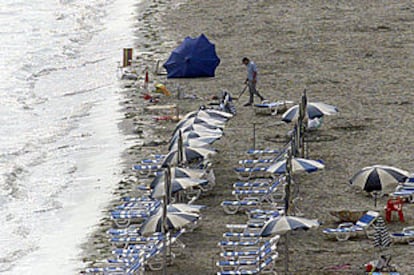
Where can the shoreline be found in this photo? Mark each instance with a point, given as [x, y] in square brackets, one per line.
[303, 47]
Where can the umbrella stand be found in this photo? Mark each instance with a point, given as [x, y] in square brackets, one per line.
[288, 181]
[180, 148]
[302, 129]
[286, 254]
[375, 193]
[166, 198]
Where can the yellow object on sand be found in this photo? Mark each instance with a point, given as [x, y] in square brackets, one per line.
[160, 88]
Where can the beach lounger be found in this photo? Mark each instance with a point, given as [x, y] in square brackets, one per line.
[123, 218]
[147, 170]
[132, 265]
[249, 259]
[248, 163]
[254, 198]
[263, 152]
[258, 183]
[405, 236]
[346, 230]
[133, 245]
[270, 108]
[247, 173]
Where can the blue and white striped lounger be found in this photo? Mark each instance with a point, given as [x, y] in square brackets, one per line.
[346, 230]
[262, 152]
[129, 214]
[136, 239]
[232, 245]
[137, 199]
[267, 263]
[246, 173]
[243, 184]
[138, 205]
[266, 248]
[147, 170]
[256, 257]
[250, 169]
[123, 218]
[151, 161]
[229, 236]
[254, 162]
[132, 230]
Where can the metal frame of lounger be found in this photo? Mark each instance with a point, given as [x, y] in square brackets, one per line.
[270, 108]
[133, 265]
[124, 218]
[344, 231]
[405, 236]
[247, 173]
[249, 258]
[254, 198]
[148, 170]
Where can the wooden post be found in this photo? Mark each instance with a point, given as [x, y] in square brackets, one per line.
[127, 57]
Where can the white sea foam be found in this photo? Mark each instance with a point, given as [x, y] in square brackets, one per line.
[59, 142]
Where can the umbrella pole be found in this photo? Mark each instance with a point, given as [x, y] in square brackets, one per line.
[180, 148]
[166, 198]
[302, 129]
[286, 254]
[288, 182]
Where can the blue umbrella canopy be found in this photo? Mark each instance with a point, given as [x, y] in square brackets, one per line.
[314, 109]
[194, 57]
[175, 220]
[177, 184]
[298, 165]
[283, 224]
[188, 154]
[193, 139]
[379, 178]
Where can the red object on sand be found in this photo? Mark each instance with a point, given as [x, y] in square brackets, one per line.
[146, 77]
[163, 118]
[147, 96]
[394, 205]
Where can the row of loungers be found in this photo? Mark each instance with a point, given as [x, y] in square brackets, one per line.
[134, 248]
[243, 250]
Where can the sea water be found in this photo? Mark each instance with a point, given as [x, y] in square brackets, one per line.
[60, 145]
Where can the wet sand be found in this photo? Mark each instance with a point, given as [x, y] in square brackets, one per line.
[356, 55]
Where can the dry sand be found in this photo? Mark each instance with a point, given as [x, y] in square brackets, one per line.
[357, 55]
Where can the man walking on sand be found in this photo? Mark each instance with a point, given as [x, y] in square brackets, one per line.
[251, 80]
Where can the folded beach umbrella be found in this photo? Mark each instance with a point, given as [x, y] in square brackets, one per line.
[177, 184]
[177, 173]
[284, 224]
[202, 129]
[194, 143]
[193, 139]
[194, 57]
[209, 114]
[188, 154]
[175, 220]
[379, 178]
[314, 109]
[205, 121]
[185, 207]
[298, 165]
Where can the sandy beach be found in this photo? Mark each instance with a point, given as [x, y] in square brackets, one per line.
[356, 55]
